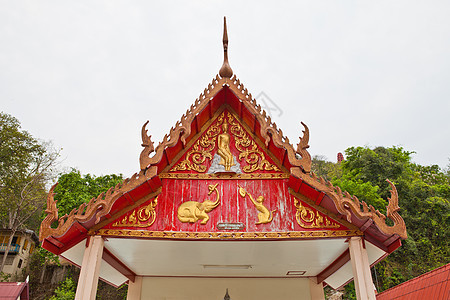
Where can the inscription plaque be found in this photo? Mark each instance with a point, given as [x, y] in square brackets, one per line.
[230, 226]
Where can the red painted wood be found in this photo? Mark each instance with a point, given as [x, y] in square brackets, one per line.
[233, 207]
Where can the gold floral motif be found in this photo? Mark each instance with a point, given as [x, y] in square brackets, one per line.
[202, 150]
[224, 176]
[142, 217]
[248, 150]
[306, 215]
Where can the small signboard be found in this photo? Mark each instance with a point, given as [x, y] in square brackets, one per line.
[230, 226]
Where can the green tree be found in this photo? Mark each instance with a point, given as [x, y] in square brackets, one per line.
[424, 195]
[65, 290]
[26, 166]
[74, 189]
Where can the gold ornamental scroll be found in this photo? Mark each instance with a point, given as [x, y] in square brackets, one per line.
[306, 218]
[140, 217]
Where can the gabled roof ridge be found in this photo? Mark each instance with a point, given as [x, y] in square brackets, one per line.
[269, 129]
[346, 204]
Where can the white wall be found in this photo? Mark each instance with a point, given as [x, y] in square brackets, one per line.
[160, 288]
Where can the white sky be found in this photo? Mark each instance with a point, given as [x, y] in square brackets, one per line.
[88, 74]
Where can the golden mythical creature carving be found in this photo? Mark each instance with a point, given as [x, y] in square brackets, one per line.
[148, 146]
[142, 217]
[192, 211]
[223, 145]
[306, 215]
[264, 215]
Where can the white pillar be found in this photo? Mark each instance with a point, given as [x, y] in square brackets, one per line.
[316, 290]
[90, 269]
[361, 270]
[135, 289]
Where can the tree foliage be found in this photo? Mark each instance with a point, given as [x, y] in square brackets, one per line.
[26, 166]
[74, 189]
[424, 195]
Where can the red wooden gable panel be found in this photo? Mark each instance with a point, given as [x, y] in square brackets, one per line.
[288, 213]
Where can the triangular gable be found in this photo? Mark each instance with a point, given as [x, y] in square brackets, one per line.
[163, 163]
[157, 163]
[205, 157]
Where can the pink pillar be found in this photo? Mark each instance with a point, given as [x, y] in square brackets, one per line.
[361, 270]
[90, 269]
[135, 289]
[316, 290]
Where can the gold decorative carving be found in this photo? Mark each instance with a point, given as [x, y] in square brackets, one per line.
[223, 148]
[148, 146]
[248, 150]
[142, 217]
[203, 148]
[306, 215]
[227, 235]
[346, 204]
[196, 158]
[264, 215]
[98, 207]
[192, 211]
[223, 176]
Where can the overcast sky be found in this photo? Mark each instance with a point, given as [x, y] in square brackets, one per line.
[87, 74]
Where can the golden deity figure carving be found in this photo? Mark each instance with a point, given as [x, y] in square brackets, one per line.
[142, 217]
[306, 215]
[223, 145]
[264, 215]
[192, 211]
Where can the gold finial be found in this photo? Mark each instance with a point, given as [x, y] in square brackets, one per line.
[225, 71]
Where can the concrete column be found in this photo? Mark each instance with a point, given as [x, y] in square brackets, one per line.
[361, 270]
[90, 269]
[316, 290]
[135, 289]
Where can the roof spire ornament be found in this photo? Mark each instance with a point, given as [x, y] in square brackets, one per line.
[225, 71]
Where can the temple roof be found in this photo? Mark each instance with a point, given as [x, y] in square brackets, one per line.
[225, 91]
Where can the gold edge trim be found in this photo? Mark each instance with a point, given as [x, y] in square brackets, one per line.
[223, 176]
[227, 235]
